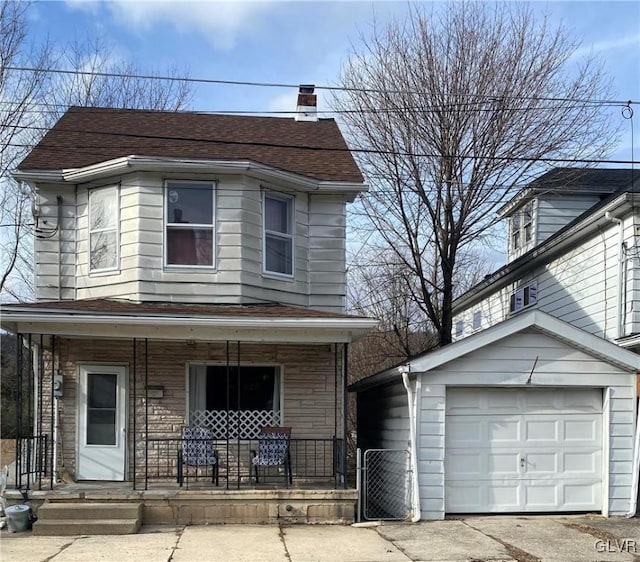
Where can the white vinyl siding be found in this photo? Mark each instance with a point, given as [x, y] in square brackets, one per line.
[238, 278]
[555, 212]
[579, 287]
[55, 251]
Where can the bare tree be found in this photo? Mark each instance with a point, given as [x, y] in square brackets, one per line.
[451, 111]
[32, 98]
[21, 96]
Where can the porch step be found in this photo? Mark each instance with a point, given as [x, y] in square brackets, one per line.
[85, 518]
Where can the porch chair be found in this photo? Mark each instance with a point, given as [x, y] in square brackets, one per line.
[273, 450]
[197, 450]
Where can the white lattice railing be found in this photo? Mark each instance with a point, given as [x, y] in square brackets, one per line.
[246, 427]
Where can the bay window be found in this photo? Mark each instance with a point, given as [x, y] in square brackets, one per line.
[189, 224]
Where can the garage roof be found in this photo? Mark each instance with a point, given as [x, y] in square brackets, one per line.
[535, 319]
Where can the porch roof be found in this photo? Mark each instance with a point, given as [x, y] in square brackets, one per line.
[109, 318]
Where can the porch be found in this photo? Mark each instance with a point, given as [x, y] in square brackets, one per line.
[169, 504]
[88, 400]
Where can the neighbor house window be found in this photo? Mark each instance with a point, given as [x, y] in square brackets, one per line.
[277, 222]
[524, 297]
[189, 221]
[522, 227]
[477, 319]
[103, 228]
[234, 402]
[459, 328]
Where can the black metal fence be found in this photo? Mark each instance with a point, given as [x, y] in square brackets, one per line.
[313, 461]
[31, 461]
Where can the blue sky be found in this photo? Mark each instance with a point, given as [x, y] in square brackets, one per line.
[300, 42]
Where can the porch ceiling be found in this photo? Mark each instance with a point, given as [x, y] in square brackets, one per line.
[170, 321]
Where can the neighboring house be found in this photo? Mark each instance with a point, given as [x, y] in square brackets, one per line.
[533, 408]
[572, 252]
[189, 270]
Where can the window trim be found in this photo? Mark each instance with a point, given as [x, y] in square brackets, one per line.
[518, 241]
[513, 296]
[477, 314]
[280, 372]
[115, 228]
[188, 226]
[291, 236]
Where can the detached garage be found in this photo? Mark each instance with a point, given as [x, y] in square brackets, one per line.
[532, 415]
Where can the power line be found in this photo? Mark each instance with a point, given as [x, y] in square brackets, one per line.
[496, 97]
[180, 139]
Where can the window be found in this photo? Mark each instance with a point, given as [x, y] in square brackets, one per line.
[477, 319]
[103, 228]
[234, 401]
[278, 234]
[459, 328]
[189, 239]
[522, 227]
[524, 297]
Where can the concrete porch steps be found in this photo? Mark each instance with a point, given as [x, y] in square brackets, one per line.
[84, 518]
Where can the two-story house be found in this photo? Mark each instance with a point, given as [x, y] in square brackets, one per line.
[534, 406]
[189, 272]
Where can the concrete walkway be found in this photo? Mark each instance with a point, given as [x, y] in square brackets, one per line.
[494, 539]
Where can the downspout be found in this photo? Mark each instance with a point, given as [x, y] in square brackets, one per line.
[413, 449]
[635, 474]
[621, 280]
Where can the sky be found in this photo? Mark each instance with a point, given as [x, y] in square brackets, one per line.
[306, 42]
[302, 43]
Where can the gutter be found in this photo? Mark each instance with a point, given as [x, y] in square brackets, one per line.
[547, 250]
[413, 446]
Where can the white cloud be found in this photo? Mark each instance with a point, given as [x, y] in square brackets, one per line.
[605, 45]
[221, 23]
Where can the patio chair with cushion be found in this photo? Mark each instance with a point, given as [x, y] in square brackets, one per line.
[197, 450]
[273, 450]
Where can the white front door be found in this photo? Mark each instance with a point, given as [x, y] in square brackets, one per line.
[523, 450]
[102, 438]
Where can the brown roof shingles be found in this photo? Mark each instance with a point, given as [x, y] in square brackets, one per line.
[85, 136]
[129, 308]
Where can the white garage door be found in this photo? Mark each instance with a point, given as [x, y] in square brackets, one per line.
[523, 450]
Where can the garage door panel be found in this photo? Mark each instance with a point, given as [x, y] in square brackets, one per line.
[503, 464]
[541, 430]
[501, 431]
[519, 450]
[539, 464]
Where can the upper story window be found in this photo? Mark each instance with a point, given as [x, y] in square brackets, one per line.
[524, 297]
[189, 223]
[521, 227]
[277, 222]
[459, 328]
[477, 320]
[104, 236]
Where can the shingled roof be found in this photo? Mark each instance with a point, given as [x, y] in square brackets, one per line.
[84, 136]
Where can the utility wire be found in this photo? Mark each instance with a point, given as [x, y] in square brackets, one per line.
[496, 97]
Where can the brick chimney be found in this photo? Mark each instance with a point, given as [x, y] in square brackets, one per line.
[307, 103]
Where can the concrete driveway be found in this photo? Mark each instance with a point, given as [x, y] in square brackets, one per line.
[473, 539]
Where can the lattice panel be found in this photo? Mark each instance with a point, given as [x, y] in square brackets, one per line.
[245, 424]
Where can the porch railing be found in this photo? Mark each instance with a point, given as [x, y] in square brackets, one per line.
[31, 467]
[313, 461]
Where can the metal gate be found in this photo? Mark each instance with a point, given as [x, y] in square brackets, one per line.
[386, 484]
